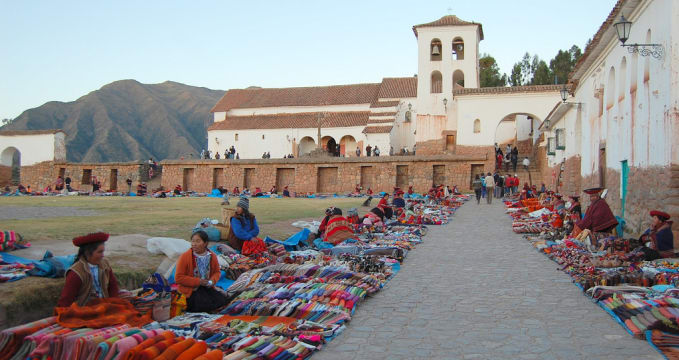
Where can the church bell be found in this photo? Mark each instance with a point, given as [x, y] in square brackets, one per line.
[435, 50]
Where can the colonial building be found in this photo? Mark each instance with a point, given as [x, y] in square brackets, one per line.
[440, 111]
[618, 127]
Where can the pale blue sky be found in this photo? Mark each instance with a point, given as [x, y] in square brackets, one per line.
[61, 50]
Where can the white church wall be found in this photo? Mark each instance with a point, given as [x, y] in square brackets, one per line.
[219, 116]
[33, 148]
[505, 132]
[382, 141]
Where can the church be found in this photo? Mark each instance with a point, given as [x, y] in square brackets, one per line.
[441, 110]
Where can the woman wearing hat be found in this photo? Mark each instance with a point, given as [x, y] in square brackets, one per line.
[575, 210]
[598, 217]
[90, 277]
[243, 225]
[659, 236]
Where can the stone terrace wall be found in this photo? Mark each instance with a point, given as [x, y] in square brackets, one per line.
[309, 175]
[5, 175]
[45, 173]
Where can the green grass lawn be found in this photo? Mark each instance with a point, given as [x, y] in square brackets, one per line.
[173, 217]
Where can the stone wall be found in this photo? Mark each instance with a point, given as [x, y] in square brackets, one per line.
[5, 175]
[43, 174]
[308, 175]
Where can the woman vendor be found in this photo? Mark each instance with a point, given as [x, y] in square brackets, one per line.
[324, 222]
[598, 217]
[338, 228]
[197, 273]
[286, 192]
[90, 277]
[243, 225]
[659, 236]
[384, 206]
[575, 210]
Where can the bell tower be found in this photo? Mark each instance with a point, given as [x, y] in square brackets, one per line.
[448, 58]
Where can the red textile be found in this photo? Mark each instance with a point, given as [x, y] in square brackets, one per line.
[598, 217]
[213, 355]
[72, 286]
[254, 246]
[101, 313]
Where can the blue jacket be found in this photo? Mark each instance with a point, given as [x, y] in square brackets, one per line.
[246, 232]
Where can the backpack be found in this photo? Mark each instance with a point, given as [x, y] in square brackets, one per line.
[477, 184]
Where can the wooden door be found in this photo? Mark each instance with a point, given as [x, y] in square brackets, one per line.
[402, 176]
[188, 179]
[249, 178]
[217, 177]
[439, 175]
[327, 180]
[367, 177]
[284, 177]
[113, 180]
[477, 169]
[602, 167]
[450, 142]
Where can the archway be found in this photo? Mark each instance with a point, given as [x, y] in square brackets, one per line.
[329, 144]
[306, 145]
[458, 79]
[10, 166]
[518, 129]
[347, 145]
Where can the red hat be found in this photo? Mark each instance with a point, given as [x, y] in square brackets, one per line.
[661, 214]
[575, 196]
[558, 196]
[594, 190]
[400, 192]
[90, 239]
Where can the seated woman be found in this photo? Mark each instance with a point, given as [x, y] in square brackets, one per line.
[374, 217]
[338, 228]
[369, 192]
[324, 222]
[178, 190]
[274, 190]
[286, 192]
[575, 210]
[659, 236]
[598, 217]
[410, 190]
[398, 201]
[236, 191]
[197, 273]
[357, 189]
[243, 225]
[384, 206]
[90, 277]
[59, 184]
[258, 192]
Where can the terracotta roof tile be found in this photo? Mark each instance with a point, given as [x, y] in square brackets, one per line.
[391, 113]
[592, 49]
[382, 121]
[394, 88]
[377, 129]
[294, 121]
[381, 104]
[508, 89]
[448, 20]
[29, 132]
[298, 96]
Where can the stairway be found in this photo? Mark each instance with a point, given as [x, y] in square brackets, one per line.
[532, 176]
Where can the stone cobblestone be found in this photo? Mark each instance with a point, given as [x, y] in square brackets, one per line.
[475, 290]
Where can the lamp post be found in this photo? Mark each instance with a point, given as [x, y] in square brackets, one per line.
[564, 93]
[623, 28]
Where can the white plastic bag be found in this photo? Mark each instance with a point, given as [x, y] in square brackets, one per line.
[171, 247]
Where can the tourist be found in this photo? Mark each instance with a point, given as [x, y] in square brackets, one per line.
[237, 156]
[217, 156]
[368, 150]
[246, 191]
[376, 151]
[598, 217]
[414, 149]
[482, 176]
[498, 159]
[233, 150]
[95, 184]
[274, 190]
[264, 155]
[286, 192]
[196, 275]
[177, 190]
[59, 184]
[525, 163]
[500, 186]
[659, 237]
[90, 277]
[508, 158]
[490, 186]
[508, 150]
[497, 148]
[358, 151]
[227, 154]
[391, 151]
[243, 225]
[515, 158]
[477, 184]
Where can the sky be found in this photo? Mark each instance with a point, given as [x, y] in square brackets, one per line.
[62, 50]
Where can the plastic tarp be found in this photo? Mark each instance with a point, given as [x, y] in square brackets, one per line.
[539, 213]
[171, 247]
[320, 244]
[50, 265]
[311, 225]
[292, 243]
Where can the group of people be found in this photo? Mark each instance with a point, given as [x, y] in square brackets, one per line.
[229, 153]
[258, 191]
[496, 185]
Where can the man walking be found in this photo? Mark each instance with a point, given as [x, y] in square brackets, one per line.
[490, 187]
[515, 157]
[526, 163]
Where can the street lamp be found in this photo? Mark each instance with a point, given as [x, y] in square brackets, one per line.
[546, 123]
[564, 93]
[623, 28]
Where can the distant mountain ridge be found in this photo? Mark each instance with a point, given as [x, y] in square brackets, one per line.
[127, 121]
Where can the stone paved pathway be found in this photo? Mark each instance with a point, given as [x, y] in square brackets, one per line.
[476, 290]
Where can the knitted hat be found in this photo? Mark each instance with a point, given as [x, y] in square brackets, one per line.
[244, 203]
[594, 190]
[661, 214]
[90, 238]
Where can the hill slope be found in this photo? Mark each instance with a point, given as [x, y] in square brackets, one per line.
[127, 120]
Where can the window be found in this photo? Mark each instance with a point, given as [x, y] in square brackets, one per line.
[436, 82]
[623, 79]
[458, 48]
[610, 89]
[435, 50]
[458, 78]
[87, 177]
[560, 139]
[477, 126]
[235, 137]
[551, 146]
[262, 136]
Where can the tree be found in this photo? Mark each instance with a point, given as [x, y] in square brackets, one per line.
[490, 72]
[542, 76]
[564, 62]
[516, 79]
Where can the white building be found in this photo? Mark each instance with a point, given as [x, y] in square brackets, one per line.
[620, 128]
[442, 110]
[32, 146]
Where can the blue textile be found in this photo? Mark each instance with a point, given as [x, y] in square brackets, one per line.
[320, 244]
[52, 266]
[215, 193]
[212, 232]
[246, 232]
[293, 241]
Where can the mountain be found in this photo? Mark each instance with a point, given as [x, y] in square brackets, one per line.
[127, 121]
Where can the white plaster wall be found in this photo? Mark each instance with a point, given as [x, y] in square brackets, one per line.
[638, 126]
[491, 109]
[33, 148]
[383, 141]
[429, 103]
[402, 135]
[505, 132]
[219, 116]
[279, 142]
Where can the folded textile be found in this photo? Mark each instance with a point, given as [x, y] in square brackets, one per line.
[101, 313]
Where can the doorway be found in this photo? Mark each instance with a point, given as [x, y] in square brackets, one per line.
[113, 180]
[284, 177]
[477, 169]
[450, 142]
[602, 167]
[217, 178]
[188, 177]
[402, 176]
[439, 175]
[327, 180]
[367, 174]
[248, 177]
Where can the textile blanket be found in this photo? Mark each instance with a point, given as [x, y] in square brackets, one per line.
[101, 313]
[10, 240]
